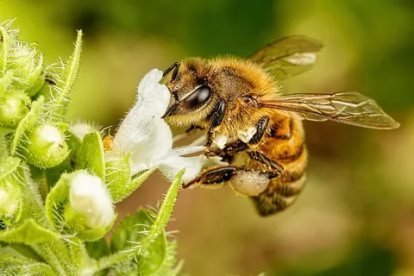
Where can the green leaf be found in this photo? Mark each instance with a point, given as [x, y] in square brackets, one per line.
[8, 165]
[133, 230]
[13, 263]
[91, 156]
[26, 251]
[56, 254]
[167, 268]
[28, 232]
[164, 213]
[60, 99]
[27, 123]
[97, 249]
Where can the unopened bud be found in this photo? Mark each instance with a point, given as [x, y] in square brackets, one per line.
[90, 204]
[46, 147]
[13, 107]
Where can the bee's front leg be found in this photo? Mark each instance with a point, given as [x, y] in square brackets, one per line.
[215, 117]
[193, 128]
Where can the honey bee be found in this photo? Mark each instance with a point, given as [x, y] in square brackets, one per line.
[254, 127]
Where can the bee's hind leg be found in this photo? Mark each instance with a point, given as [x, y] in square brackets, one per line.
[244, 181]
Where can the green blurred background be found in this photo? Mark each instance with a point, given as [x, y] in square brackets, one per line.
[356, 215]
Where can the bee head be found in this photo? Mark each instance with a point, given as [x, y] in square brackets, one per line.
[192, 96]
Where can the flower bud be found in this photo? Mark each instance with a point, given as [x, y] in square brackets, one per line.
[27, 64]
[47, 147]
[13, 107]
[10, 197]
[90, 204]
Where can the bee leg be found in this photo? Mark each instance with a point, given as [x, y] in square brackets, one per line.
[260, 130]
[193, 127]
[216, 117]
[262, 158]
[233, 148]
[239, 145]
[214, 176]
[175, 67]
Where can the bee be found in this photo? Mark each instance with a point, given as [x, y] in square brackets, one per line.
[254, 127]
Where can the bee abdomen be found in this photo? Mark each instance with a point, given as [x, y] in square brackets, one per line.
[290, 184]
[283, 190]
[280, 194]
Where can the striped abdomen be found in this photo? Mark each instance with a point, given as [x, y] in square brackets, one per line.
[283, 144]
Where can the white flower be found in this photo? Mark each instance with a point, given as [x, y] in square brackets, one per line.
[145, 135]
[90, 198]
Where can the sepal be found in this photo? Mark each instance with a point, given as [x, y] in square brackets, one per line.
[120, 182]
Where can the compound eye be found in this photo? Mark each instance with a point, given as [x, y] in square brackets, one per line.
[198, 98]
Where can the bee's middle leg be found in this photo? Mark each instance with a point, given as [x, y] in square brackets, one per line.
[214, 177]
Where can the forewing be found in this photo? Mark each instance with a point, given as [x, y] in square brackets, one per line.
[345, 107]
[288, 56]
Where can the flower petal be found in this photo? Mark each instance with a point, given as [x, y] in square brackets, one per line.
[153, 96]
[138, 126]
[193, 165]
[157, 146]
[173, 164]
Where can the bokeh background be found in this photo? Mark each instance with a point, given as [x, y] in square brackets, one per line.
[356, 214]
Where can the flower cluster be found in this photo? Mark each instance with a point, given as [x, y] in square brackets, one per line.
[58, 184]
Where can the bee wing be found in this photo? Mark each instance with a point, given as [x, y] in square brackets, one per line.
[288, 56]
[345, 107]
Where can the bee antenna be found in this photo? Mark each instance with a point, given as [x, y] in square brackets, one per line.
[174, 67]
